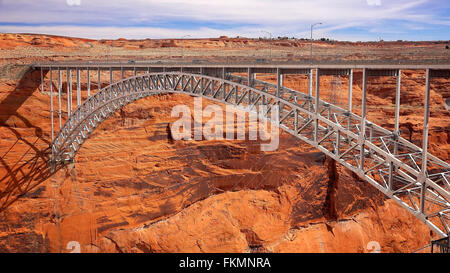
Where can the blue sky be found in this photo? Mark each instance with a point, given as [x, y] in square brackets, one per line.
[353, 20]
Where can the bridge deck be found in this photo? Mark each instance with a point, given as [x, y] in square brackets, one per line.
[141, 64]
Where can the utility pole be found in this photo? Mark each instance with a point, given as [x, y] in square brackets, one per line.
[310, 52]
[270, 34]
[182, 46]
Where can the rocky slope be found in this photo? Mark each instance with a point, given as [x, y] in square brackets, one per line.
[27, 48]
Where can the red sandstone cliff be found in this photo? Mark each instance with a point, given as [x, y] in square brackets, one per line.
[134, 189]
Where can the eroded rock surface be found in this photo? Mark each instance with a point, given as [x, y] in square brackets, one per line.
[133, 188]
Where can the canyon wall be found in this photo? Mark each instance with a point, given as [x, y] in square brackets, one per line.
[133, 188]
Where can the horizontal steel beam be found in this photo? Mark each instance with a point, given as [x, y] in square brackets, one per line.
[382, 72]
[334, 72]
[439, 73]
[258, 68]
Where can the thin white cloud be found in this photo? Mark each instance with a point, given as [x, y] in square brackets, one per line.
[230, 11]
[73, 2]
[373, 2]
[127, 32]
[175, 18]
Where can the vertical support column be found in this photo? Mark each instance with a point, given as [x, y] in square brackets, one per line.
[88, 83]
[182, 79]
[397, 109]
[70, 89]
[337, 148]
[316, 108]
[202, 84]
[110, 75]
[99, 82]
[250, 77]
[310, 75]
[51, 110]
[121, 73]
[42, 81]
[250, 81]
[350, 91]
[279, 83]
[396, 128]
[59, 97]
[296, 122]
[224, 73]
[134, 71]
[68, 92]
[78, 88]
[310, 85]
[328, 116]
[424, 173]
[391, 176]
[370, 125]
[362, 133]
[279, 91]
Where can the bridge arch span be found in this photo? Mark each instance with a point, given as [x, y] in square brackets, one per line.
[386, 161]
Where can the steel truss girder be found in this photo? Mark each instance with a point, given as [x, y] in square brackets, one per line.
[337, 134]
[378, 153]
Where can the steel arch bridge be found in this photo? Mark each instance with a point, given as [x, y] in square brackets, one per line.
[412, 177]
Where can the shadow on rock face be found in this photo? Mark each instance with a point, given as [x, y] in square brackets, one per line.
[33, 166]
